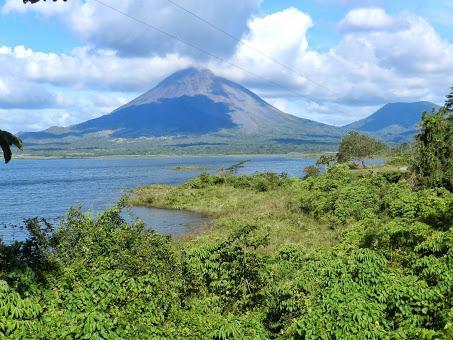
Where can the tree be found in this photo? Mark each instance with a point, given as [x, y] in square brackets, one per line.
[433, 159]
[311, 171]
[449, 101]
[6, 140]
[358, 146]
[327, 160]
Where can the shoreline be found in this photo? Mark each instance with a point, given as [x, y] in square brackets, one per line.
[122, 156]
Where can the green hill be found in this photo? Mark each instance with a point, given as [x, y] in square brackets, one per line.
[395, 122]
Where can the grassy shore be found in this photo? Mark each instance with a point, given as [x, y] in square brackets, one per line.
[28, 156]
[273, 210]
[232, 208]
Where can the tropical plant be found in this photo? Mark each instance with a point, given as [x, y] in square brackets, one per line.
[7, 139]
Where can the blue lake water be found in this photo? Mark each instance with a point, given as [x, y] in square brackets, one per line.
[47, 188]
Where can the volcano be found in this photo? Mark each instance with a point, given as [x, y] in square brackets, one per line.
[193, 102]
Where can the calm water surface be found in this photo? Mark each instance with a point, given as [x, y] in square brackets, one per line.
[47, 188]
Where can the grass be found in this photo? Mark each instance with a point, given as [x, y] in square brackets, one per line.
[231, 208]
[380, 168]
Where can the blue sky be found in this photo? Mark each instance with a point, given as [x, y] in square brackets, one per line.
[327, 14]
[34, 31]
[80, 60]
[50, 35]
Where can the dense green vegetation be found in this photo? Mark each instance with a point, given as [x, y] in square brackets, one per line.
[433, 158]
[347, 254]
[387, 269]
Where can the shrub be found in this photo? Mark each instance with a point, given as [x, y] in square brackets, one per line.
[260, 182]
[231, 269]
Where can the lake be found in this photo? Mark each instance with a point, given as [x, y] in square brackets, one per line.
[47, 188]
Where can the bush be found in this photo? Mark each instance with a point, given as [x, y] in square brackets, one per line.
[231, 269]
[260, 182]
[338, 199]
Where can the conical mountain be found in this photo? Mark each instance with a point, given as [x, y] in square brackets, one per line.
[194, 102]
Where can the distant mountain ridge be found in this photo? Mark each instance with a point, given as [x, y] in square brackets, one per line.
[396, 122]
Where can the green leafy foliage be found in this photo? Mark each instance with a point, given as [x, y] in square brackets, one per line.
[260, 182]
[433, 164]
[7, 139]
[358, 146]
[327, 160]
[449, 101]
[338, 198]
[311, 171]
[231, 269]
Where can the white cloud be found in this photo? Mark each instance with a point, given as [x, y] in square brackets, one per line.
[88, 68]
[280, 37]
[78, 107]
[370, 19]
[25, 120]
[369, 67]
[16, 94]
[99, 25]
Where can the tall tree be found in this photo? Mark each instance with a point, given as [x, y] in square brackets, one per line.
[449, 101]
[433, 160]
[356, 146]
[6, 141]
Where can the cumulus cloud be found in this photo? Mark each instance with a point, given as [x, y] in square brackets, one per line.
[371, 19]
[99, 25]
[365, 68]
[275, 40]
[89, 68]
[77, 107]
[412, 62]
[26, 120]
[371, 65]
